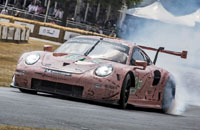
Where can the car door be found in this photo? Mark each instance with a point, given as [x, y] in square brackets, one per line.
[143, 77]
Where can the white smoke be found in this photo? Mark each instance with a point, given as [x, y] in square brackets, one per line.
[187, 91]
[175, 38]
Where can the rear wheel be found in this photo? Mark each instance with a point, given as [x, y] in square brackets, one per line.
[169, 94]
[125, 92]
[27, 91]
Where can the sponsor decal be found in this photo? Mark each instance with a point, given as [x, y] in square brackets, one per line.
[31, 26]
[83, 63]
[69, 35]
[57, 72]
[50, 32]
[138, 85]
[4, 20]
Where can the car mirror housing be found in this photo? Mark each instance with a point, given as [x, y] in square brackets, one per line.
[141, 63]
[48, 48]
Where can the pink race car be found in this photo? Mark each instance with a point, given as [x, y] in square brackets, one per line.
[100, 69]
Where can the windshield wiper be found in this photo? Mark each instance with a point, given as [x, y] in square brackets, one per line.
[92, 48]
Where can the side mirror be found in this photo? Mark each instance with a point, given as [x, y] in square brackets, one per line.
[141, 63]
[48, 48]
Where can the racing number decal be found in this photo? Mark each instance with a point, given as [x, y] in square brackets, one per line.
[138, 85]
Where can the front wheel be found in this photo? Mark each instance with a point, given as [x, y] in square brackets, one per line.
[168, 94]
[125, 92]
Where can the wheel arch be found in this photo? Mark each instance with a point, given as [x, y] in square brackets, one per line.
[132, 78]
[128, 82]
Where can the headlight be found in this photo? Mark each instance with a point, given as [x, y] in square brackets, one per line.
[104, 70]
[32, 59]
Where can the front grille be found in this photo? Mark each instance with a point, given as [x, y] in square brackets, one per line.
[57, 88]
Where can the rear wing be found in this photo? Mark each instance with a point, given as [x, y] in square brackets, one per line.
[182, 54]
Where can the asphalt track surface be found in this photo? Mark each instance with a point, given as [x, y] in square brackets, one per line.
[47, 111]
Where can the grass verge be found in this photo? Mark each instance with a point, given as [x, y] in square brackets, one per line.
[9, 55]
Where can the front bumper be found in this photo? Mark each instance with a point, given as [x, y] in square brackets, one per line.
[85, 86]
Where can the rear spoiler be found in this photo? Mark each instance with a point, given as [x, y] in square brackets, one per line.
[182, 54]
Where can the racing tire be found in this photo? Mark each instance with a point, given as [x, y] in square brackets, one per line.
[125, 91]
[169, 94]
[27, 91]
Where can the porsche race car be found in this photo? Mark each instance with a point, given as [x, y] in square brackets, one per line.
[100, 69]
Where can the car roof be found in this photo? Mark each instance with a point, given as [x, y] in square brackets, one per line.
[115, 40]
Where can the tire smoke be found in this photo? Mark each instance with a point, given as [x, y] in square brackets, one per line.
[176, 38]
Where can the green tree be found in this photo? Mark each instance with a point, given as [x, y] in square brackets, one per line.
[132, 3]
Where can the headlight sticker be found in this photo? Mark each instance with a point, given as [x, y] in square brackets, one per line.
[32, 59]
[104, 70]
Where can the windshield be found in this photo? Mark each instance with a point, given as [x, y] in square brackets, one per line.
[96, 49]
[76, 46]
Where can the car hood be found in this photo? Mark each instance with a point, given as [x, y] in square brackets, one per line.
[72, 63]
